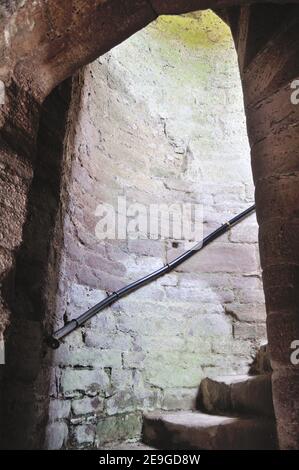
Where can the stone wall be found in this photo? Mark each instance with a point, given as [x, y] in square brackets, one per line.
[161, 120]
[34, 221]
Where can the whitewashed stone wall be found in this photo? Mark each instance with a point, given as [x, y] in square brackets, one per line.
[161, 120]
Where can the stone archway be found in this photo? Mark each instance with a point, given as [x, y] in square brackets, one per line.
[44, 44]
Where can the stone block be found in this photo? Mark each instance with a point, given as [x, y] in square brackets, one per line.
[154, 248]
[170, 376]
[250, 331]
[117, 341]
[245, 232]
[208, 325]
[220, 257]
[167, 280]
[83, 435]
[179, 399]
[250, 296]
[150, 323]
[104, 321]
[206, 295]
[240, 347]
[121, 379]
[118, 428]
[83, 295]
[92, 382]
[56, 436]
[247, 312]
[87, 405]
[87, 357]
[156, 343]
[123, 401]
[133, 360]
[59, 409]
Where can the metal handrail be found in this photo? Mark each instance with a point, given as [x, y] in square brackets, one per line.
[54, 339]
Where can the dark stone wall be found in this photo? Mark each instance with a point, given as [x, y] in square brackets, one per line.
[33, 281]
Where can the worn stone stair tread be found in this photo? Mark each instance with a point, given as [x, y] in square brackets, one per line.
[127, 446]
[196, 430]
[235, 394]
[228, 379]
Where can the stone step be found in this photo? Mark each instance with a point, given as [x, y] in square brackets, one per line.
[236, 394]
[195, 430]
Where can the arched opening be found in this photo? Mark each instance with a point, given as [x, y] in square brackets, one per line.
[40, 55]
[160, 120]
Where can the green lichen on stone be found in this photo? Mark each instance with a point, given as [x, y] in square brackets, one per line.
[200, 38]
[200, 29]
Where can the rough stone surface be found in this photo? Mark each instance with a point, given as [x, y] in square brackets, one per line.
[272, 117]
